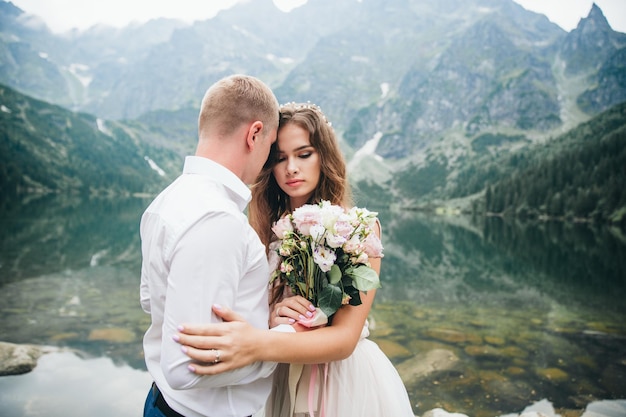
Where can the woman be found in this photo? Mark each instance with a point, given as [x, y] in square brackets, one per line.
[336, 371]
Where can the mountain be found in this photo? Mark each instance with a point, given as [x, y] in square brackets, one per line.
[593, 41]
[27, 52]
[578, 176]
[505, 80]
[345, 56]
[46, 149]
[421, 93]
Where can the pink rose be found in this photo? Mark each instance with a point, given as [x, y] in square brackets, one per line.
[344, 228]
[282, 228]
[373, 246]
[306, 216]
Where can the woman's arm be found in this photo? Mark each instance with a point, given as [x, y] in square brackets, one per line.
[240, 344]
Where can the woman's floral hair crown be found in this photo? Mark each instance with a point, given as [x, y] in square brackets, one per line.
[308, 105]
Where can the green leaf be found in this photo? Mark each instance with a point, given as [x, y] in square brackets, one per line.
[330, 299]
[355, 295]
[334, 275]
[364, 278]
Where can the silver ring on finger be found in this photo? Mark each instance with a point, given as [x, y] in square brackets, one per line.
[217, 354]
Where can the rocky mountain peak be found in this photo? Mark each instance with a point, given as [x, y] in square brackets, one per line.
[591, 43]
[596, 15]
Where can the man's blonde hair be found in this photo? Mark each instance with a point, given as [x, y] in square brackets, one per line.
[236, 100]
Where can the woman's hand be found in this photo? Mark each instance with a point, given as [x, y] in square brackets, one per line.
[233, 344]
[290, 310]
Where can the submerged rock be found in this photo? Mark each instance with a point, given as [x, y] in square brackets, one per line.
[392, 349]
[425, 364]
[552, 374]
[495, 340]
[482, 351]
[113, 334]
[448, 335]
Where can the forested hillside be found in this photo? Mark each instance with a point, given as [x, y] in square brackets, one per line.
[47, 149]
[580, 175]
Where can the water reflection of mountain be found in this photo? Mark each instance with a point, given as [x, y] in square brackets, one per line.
[70, 275]
[577, 258]
[70, 270]
[53, 233]
[429, 259]
[426, 258]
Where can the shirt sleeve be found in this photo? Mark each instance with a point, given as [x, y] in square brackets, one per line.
[206, 266]
[144, 289]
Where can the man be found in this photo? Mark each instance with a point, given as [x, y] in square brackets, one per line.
[198, 249]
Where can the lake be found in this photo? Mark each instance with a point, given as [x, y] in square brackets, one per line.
[521, 311]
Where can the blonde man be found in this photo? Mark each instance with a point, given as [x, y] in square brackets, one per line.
[198, 249]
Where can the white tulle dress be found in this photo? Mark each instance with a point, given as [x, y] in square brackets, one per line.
[366, 384]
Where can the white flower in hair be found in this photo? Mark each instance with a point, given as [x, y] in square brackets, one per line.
[307, 105]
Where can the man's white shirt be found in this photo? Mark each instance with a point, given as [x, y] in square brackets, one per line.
[198, 250]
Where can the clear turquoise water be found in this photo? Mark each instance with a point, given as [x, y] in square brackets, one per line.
[525, 311]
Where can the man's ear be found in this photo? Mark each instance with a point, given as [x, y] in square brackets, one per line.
[254, 133]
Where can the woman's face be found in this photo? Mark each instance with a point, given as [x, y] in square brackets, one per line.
[298, 169]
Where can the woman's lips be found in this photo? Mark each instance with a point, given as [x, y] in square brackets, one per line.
[293, 183]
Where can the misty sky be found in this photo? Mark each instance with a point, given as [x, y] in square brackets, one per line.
[62, 15]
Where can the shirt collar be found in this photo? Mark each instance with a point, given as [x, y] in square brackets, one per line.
[204, 166]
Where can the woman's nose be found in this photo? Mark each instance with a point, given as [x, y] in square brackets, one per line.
[292, 166]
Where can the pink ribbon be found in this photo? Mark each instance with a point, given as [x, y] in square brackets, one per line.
[312, 384]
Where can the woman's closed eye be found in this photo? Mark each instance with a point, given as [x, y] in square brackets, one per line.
[303, 155]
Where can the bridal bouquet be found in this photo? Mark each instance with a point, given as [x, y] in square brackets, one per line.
[324, 255]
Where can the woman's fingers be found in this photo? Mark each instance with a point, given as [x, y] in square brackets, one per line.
[290, 310]
[297, 308]
[199, 369]
[226, 313]
[204, 356]
[211, 335]
[205, 361]
[305, 304]
[231, 319]
[277, 319]
[198, 341]
[219, 347]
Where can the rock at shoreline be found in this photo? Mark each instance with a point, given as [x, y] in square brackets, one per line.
[18, 359]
